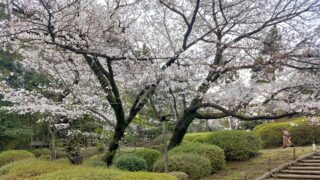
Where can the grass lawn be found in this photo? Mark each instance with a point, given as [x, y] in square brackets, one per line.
[255, 167]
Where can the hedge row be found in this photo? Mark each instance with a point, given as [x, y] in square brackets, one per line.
[237, 145]
[301, 131]
[38, 169]
[14, 155]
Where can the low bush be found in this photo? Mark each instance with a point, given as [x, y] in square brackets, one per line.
[96, 160]
[89, 151]
[14, 155]
[237, 145]
[131, 163]
[88, 173]
[214, 153]
[27, 168]
[60, 153]
[194, 165]
[179, 175]
[149, 155]
[192, 136]
[41, 152]
[301, 131]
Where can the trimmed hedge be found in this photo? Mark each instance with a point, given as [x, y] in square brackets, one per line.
[194, 165]
[131, 163]
[27, 168]
[214, 153]
[149, 155]
[237, 145]
[89, 173]
[14, 155]
[301, 131]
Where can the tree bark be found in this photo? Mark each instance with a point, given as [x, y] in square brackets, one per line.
[114, 144]
[181, 128]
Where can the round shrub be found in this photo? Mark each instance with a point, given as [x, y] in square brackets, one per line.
[149, 155]
[14, 155]
[237, 145]
[89, 151]
[95, 161]
[131, 163]
[28, 168]
[192, 136]
[41, 152]
[194, 165]
[214, 153]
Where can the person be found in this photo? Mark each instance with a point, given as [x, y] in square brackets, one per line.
[286, 138]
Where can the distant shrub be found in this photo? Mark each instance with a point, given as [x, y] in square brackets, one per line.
[214, 153]
[14, 155]
[149, 155]
[130, 163]
[40, 152]
[301, 131]
[89, 173]
[237, 145]
[89, 151]
[60, 153]
[27, 168]
[192, 136]
[45, 157]
[179, 175]
[101, 148]
[194, 165]
[96, 160]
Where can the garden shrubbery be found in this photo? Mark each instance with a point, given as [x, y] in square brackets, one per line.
[89, 173]
[96, 160]
[131, 163]
[41, 152]
[149, 155]
[28, 168]
[237, 145]
[14, 155]
[214, 153]
[194, 165]
[301, 131]
[89, 151]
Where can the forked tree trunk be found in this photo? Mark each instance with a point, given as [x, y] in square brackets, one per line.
[181, 129]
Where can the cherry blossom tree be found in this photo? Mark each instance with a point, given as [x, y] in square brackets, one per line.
[253, 59]
[211, 58]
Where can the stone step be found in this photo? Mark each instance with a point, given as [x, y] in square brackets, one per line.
[304, 168]
[296, 176]
[314, 157]
[301, 172]
[311, 161]
[306, 164]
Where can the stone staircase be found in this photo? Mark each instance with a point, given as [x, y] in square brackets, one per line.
[307, 167]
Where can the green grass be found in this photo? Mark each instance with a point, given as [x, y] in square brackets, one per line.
[257, 166]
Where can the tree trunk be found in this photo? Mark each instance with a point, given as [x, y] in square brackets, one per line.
[181, 129]
[114, 144]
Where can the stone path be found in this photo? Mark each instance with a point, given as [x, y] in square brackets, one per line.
[307, 167]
